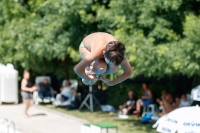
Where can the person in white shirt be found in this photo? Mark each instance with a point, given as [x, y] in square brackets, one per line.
[184, 102]
[195, 96]
[67, 91]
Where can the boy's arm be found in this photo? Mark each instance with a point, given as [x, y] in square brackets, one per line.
[80, 67]
[127, 73]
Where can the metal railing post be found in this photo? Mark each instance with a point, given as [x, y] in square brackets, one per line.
[7, 125]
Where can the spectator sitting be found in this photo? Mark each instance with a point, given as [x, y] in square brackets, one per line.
[184, 101]
[160, 101]
[167, 103]
[67, 92]
[130, 105]
[146, 99]
[45, 90]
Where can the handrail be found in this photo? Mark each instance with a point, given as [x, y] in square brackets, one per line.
[3, 120]
[7, 125]
[13, 125]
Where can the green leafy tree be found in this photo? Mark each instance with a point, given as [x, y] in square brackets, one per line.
[155, 35]
[161, 37]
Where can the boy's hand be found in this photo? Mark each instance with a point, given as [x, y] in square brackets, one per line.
[91, 82]
[91, 75]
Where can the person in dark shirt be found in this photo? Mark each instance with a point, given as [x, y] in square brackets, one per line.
[45, 90]
[130, 105]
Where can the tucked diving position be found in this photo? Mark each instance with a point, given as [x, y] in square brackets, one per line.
[101, 54]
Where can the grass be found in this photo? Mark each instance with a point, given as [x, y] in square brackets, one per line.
[130, 125]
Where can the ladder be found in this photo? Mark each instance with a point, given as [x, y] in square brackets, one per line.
[5, 126]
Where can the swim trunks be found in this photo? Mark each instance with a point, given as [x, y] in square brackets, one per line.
[82, 45]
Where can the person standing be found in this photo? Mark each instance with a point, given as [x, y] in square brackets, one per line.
[26, 91]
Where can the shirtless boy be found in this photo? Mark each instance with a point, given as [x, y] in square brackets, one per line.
[102, 54]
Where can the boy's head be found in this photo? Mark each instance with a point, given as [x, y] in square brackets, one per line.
[114, 53]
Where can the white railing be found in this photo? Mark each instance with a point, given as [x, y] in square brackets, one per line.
[5, 126]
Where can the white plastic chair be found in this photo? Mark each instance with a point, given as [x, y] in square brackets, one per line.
[189, 98]
[150, 109]
[95, 129]
[85, 128]
[57, 102]
[36, 97]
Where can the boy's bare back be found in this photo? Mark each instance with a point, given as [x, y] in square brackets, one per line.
[97, 40]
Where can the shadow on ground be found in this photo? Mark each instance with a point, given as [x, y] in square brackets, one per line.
[38, 114]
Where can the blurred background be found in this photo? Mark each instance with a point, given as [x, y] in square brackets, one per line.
[161, 38]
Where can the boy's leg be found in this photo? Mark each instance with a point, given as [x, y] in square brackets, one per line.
[99, 67]
[95, 69]
[83, 52]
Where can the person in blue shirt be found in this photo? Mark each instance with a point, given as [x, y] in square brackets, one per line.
[145, 100]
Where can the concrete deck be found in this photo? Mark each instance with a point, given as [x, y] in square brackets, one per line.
[42, 120]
